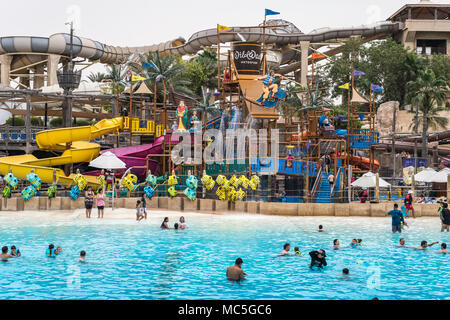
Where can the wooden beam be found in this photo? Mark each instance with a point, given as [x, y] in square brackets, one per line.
[58, 113]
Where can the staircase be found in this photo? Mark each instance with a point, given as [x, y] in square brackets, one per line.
[323, 194]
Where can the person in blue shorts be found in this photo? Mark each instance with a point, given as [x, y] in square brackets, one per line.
[397, 219]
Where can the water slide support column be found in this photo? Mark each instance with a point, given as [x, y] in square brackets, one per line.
[52, 66]
[28, 124]
[304, 47]
[5, 68]
[38, 78]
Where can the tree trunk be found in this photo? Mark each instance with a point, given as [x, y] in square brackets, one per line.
[424, 133]
[164, 105]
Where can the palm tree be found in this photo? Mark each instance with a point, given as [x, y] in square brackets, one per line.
[167, 70]
[205, 107]
[116, 74]
[428, 93]
[97, 76]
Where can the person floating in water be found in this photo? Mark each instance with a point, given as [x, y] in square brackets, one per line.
[320, 229]
[318, 259]
[182, 223]
[297, 251]
[424, 245]
[271, 92]
[165, 223]
[397, 219]
[82, 256]
[345, 274]
[443, 249]
[235, 273]
[15, 252]
[286, 249]
[58, 250]
[336, 244]
[4, 256]
[354, 243]
[51, 251]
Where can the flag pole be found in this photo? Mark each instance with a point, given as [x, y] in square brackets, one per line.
[218, 57]
[264, 42]
[131, 110]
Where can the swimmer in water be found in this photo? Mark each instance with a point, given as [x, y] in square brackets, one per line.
[358, 242]
[297, 251]
[51, 251]
[354, 243]
[336, 244]
[235, 273]
[175, 226]
[424, 245]
[318, 259]
[320, 229]
[443, 249]
[182, 223]
[15, 252]
[58, 250]
[165, 223]
[82, 256]
[286, 248]
[402, 242]
[4, 256]
[345, 274]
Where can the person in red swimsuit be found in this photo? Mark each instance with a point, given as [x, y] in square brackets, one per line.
[408, 203]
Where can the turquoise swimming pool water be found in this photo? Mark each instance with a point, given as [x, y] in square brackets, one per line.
[129, 260]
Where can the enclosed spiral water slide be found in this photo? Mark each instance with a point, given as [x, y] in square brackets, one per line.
[21, 52]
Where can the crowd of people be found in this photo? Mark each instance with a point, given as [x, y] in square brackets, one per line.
[318, 257]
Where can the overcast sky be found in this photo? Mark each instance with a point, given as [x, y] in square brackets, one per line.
[145, 22]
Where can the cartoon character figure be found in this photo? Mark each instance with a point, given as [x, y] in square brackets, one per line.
[182, 116]
[194, 121]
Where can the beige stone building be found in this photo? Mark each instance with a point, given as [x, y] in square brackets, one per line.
[425, 27]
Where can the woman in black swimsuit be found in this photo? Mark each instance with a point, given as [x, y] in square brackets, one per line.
[89, 201]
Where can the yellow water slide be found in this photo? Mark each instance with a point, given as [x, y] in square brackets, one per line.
[74, 145]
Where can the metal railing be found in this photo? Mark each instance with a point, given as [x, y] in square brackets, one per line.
[316, 185]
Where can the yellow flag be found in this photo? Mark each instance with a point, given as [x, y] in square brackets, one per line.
[345, 86]
[137, 78]
[222, 28]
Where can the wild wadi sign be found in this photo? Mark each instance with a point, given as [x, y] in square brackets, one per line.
[247, 57]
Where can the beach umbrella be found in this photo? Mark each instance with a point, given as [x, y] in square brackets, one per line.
[369, 180]
[107, 160]
[425, 175]
[441, 176]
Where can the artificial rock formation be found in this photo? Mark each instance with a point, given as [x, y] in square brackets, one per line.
[384, 117]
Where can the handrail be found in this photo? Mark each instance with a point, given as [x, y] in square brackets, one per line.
[333, 190]
[316, 185]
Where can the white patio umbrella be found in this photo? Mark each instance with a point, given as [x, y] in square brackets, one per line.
[369, 180]
[441, 176]
[108, 160]
[425, 175]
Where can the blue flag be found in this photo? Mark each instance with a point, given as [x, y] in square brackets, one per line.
[358, 73]
[147, 65]
[375, 88]
[271, 13]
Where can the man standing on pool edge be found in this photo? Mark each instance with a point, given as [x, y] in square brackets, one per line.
[397, 219]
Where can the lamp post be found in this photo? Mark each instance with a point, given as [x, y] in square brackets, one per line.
[68, 80]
